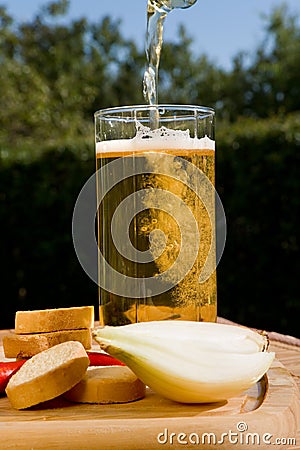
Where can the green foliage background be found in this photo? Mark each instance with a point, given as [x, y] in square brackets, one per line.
[54, 76]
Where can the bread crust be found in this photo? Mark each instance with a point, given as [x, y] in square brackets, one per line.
[48, 320]
[27, 345]
[110, 384]
[48, 375]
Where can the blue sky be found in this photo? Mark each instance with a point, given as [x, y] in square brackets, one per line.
[219, 28]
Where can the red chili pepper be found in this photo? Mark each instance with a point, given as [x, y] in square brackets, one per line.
[7, 369]
[102, 359]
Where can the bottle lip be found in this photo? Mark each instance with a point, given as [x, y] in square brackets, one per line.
[164, 110]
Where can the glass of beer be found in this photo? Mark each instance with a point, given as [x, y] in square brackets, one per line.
[156, 213]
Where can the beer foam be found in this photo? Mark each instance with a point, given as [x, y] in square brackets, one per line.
[159, 139]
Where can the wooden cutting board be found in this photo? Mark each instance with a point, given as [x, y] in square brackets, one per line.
[268, 411]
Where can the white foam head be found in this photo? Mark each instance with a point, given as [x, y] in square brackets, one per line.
[159, 139]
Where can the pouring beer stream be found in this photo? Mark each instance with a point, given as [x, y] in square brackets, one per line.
[157, 11]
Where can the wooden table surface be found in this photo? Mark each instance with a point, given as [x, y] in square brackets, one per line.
[287, 349]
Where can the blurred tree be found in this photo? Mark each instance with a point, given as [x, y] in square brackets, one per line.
[274, 74]
[63, 73]
[24, 102]
[267, 82]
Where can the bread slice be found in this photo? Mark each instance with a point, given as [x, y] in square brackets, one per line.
[28, 345]
[47, 320]
[107, 384]
[47, 375]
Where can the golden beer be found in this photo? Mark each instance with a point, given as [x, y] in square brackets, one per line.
[188, 299]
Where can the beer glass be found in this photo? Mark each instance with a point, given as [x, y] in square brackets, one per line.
[156, 213]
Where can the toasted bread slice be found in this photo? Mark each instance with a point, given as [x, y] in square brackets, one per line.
[28, 345]
[48, 375]
[109, 384]
[47, 320]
